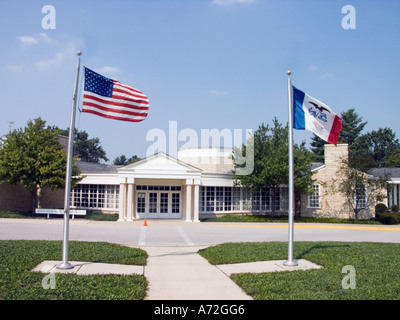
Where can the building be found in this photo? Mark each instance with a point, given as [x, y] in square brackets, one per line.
[197, 185]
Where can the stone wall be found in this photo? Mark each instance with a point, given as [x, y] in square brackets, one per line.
[333, 203]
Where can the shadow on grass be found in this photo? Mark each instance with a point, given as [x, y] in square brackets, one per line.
[319, 246]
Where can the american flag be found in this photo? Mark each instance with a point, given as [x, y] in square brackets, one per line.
[111, 99]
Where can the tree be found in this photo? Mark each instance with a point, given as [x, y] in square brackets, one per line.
[271, 168]
[394, 160]
[360, 189]
[86, 149]
[34, 158]
[122, 160]
[352, 126]
[375, 147]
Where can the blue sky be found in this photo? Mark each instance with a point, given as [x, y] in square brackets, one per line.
[203, 63]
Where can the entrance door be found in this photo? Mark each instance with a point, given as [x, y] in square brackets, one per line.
[158, 202]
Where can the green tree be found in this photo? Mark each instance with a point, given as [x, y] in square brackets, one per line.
[122, 160]
[271, 168]
[394, 160]
[34, 158]
[352, 126]
[86, 149]
[375, 148]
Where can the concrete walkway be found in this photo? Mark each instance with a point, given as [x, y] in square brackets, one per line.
[180, 273]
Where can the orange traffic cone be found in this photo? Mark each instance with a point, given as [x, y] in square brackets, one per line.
[145, 223]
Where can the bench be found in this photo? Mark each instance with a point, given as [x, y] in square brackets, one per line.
[73, 213]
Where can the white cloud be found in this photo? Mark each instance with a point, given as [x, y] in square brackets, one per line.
[107, 70]
[230, 2]
[219, 93]
[326, 75]
[16, 68]
[312, 67]
[27, 41]
[68, 51]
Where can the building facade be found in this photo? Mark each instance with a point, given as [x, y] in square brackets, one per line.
[197, 185]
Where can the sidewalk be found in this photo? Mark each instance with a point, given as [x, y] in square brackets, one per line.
[180, 273]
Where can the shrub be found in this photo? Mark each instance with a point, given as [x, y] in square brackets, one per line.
[389, 218]
[380, 208]
[394, 208]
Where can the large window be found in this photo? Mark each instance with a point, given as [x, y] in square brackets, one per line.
[96, 196]
[220, 199]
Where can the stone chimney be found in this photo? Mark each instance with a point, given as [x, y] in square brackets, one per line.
[334, 155]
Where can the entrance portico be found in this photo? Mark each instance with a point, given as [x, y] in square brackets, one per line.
[159, 187]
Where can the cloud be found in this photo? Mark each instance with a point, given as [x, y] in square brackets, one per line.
[27, 41]
[107, 70]
[16, 68]
[68, 51]
[326, 75]
[219, 93]
[312, 67]
[231, 2]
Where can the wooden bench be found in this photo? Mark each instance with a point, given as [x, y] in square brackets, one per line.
[73, 213]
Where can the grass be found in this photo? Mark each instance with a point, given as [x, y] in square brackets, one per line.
[266, 218]
[18, 257]
[377, 267]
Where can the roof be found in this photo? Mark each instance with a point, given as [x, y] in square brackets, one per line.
[91, 167]
[317, 166]
[389, 173]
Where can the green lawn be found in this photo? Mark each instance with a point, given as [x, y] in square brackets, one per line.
[377, 267]
[19, 257]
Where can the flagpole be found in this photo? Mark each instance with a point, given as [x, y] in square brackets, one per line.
[68, 176]
[290, 261]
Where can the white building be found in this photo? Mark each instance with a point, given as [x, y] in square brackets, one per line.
[199, 184]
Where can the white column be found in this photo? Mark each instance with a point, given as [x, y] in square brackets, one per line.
[129, 202]
[122, 200]
[196, 201]
[188, 206]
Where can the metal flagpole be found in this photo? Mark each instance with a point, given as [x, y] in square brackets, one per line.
[65, 264]
[290, 261]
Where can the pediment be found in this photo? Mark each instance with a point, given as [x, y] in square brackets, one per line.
[160, 162]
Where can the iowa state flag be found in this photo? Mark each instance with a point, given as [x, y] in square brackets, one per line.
[315, 116]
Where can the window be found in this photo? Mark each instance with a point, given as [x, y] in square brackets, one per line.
[210, 198]
[236, 199]
[360, 197]
[314, 197]
[95, 196]
[141, 199]
[219, 199]
[175, 202]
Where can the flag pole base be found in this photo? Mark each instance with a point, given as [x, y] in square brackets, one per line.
[65, 266]
[290, 263]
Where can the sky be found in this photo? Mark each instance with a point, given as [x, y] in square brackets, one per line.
[204, 64]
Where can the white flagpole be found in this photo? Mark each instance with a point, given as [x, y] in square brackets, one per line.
[290, 261]
[65, 264]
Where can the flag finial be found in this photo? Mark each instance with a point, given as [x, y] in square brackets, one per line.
[288, 72]
[79, 53]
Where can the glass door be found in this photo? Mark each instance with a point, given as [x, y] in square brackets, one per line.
[153, 203]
